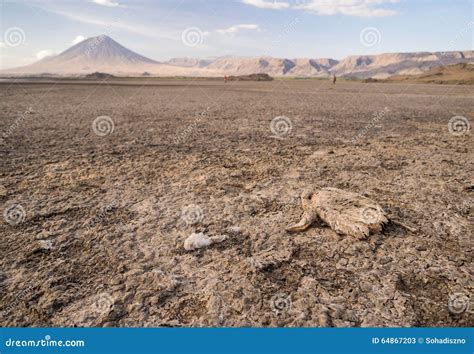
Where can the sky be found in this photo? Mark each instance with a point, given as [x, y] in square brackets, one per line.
[164, 29]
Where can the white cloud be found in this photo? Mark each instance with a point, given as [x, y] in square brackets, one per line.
[238, 28]
[78, 39]
[44, 53]
[359, 8]
[275, 5]
[2, 45]
[153, 32]
[108, 3]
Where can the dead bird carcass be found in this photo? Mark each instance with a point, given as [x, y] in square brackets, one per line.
[345, 212]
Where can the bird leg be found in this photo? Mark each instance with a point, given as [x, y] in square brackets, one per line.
[306, 220]
[399, 223]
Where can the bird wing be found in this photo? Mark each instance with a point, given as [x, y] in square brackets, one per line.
[349, 213]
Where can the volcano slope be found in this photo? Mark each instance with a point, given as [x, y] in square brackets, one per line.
[94, 218]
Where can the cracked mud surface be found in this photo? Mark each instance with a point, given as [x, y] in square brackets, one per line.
[105, 218]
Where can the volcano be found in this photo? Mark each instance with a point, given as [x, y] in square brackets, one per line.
[98, 54]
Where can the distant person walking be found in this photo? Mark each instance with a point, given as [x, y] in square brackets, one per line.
[333, 79]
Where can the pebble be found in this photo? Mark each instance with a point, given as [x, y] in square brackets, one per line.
[196, 241]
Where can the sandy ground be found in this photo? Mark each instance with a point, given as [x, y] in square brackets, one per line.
[94, 222]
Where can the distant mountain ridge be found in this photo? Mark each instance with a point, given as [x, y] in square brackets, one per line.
[103, 54]
[462, 74]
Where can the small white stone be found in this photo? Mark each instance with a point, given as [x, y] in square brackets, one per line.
[46, 244]
[235, 229]
[196, 241]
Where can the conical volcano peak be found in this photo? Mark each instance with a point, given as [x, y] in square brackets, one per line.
[102, 37]
[103, 49]
[96, 41]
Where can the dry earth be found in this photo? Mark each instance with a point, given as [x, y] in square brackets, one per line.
[94, 226]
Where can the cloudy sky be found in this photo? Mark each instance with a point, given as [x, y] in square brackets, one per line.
[163, 29]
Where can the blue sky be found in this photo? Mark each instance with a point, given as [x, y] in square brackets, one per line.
[281, 28]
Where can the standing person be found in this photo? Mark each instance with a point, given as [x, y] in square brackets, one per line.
[333, 79]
